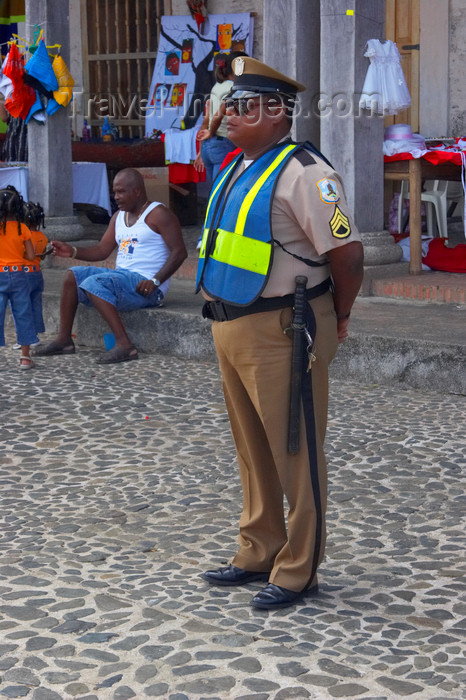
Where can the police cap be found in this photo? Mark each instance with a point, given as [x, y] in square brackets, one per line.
[255, 78]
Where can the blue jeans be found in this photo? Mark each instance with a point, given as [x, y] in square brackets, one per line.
[213, 152]
[36, 287]
[14, 288]
[117, 287]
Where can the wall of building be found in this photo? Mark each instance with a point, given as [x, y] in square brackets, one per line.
[217, 7]
[457, 61]
[434, 56]
[76, 66]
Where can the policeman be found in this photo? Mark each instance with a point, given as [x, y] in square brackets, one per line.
[276, 212]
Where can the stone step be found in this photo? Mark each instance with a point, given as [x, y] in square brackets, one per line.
[410, 343]
[428, 287]
[437, 287]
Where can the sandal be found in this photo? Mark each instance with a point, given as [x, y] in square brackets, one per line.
[30, 363]
[55, 348]
[118, 355]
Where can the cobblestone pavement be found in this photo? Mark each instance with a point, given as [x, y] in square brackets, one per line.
[118, 486]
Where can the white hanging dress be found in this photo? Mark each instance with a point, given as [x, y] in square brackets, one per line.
[385, 86]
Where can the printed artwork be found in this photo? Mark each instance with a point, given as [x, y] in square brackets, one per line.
[187, 51]
[224, 32]
[172, 63]
[127, 246]
[160, 95]
[178, 93]
[183, 73]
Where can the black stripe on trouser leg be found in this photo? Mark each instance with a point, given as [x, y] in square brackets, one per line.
[310, 426]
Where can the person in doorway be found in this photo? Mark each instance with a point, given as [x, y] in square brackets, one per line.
[213, 135]
[280, 266]
[150, 249]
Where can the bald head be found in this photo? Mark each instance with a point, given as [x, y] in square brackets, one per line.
[131, 178]
[129, 190]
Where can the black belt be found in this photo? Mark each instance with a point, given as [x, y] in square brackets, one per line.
[219, 311]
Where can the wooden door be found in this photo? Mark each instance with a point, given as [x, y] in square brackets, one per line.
[402, 25]
[120, 40]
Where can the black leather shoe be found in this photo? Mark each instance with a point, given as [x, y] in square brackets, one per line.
[273, 597]
[233, 576]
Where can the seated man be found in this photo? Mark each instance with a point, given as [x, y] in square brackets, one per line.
[150, 250]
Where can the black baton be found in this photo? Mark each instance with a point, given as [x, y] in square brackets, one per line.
[297, 364]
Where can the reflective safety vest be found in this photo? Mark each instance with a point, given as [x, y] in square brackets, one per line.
[237, 244]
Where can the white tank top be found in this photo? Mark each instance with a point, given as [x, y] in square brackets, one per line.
[140, 249]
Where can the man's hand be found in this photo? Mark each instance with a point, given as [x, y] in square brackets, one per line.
[146, 287]
[62, 249]
[199, 164]
[203, 135]
[346, 266]
[342, 329]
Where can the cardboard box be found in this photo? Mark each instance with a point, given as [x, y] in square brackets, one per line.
[157, 186]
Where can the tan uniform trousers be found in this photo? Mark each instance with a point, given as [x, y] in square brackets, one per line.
[255, 360]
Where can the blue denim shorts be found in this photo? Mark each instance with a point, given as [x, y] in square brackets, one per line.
[14, 288]
[117, 287]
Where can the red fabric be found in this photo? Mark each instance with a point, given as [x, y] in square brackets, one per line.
[398, 156]
[229, 157]
[399, 236]
[20, 101]
[198, 10]
[435, 157]
[178, 173]
[14, 66]
[445, 259]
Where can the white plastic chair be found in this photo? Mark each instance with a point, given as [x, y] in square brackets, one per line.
[455, 196]
[437, 196]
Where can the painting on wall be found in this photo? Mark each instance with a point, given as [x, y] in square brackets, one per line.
[183, 73]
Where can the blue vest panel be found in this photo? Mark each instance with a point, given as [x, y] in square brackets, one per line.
[237, 246]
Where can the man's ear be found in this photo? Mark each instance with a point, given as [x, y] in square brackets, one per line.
[278, 113]
[276, 108]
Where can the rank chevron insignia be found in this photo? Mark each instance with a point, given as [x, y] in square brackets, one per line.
[339, 224]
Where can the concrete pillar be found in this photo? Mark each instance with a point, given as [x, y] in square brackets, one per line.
[352, 139]
[292, 46]
[50, 173]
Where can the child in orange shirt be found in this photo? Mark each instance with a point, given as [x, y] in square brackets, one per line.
[15, 249]
[33, 217]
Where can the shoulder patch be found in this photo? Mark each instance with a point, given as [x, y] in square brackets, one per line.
[304, 157]
[339, 224]
[328, 191]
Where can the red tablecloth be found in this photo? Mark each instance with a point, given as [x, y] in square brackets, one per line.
[435, 157]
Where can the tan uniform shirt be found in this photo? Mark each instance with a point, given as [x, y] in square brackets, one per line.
[309, 217]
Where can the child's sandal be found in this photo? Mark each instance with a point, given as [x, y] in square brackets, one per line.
[30, 362]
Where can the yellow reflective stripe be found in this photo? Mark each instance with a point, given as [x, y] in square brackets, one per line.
[203, 243]
[216, 190]
[243, 252]
[248, 200]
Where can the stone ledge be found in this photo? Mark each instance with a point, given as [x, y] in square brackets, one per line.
[371, 354]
